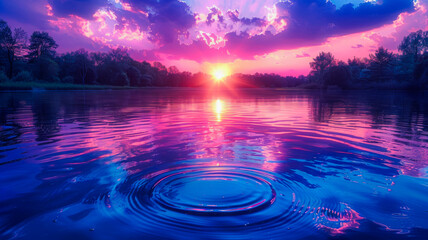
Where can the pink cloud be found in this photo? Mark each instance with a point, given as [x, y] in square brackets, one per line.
[261, 35]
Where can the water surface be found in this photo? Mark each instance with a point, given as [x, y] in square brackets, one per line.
[200, 164]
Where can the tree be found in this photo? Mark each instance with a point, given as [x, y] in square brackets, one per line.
[121, 79]
[159, 66]
[12, 44]
[415, 44]
[98, 58]
[421, 72]
[41, 44]
[337, 75]
[356, 65]
[134, 76]
[83, 64]
[413, 47]
[382, 64]
[321, 63]
[45, 69]
[119, 55]
[173, 70]
[357, 62]
[4, 33]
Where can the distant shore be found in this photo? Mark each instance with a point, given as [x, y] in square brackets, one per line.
[41, 86]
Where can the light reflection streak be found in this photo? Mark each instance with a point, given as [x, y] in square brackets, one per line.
[219, 109]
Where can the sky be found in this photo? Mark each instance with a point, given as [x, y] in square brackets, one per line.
[248, 36]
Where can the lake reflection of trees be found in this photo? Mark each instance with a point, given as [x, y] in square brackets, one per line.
[396, 121]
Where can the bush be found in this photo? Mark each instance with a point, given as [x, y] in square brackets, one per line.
[68, 79]
[337, 75]
[23, 76]
[45, 69]
[134, 76]
[3, 77]
[121, 79]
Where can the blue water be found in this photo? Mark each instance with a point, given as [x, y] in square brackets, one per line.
[206, 164]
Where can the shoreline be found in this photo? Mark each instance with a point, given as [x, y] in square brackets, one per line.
[47, 86]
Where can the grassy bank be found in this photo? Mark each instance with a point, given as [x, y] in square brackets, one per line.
[9, 85]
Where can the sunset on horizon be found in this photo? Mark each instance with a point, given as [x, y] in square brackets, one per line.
[250, 36]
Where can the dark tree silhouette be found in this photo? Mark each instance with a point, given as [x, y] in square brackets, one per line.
[409, 69]
[337, 75]
[321, 63]
[83, 64]
[355, 66]
[41, 44]
[173, 70]
[159, 66]
[45, 69]
[413, 47]
[12, 44]
[134, 76]
[415, 44]
[382, 64]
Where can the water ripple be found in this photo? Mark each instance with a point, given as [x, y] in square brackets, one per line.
[212, 198]
[183, 165]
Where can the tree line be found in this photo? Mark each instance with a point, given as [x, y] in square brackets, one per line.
[34, 59]
[382, 69]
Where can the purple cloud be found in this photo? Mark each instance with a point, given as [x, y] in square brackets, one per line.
[234, 16]
[81, 8]
[167, 19]
[311, 22]
[303, 55]
[214, 12]
[171, 26]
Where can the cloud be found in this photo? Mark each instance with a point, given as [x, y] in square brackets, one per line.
[164, 20]
[81, 8]
[311, 22]
[405, 24]
[303, 55]
[215, 14]
[33, 14]
[198, 51]
[234, 16]
[155, 28]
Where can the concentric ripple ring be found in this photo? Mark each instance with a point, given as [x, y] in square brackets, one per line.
[224, 199]
[213, 191]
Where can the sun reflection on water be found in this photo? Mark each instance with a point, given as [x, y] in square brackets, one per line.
[218, 109]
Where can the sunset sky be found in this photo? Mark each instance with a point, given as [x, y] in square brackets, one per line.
[249, 36]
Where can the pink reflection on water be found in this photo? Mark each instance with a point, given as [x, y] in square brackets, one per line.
[230, 127]
[337, 222]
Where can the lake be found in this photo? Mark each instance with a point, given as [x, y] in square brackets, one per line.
[210, 164]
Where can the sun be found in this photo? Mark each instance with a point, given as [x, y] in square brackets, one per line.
[220, 73]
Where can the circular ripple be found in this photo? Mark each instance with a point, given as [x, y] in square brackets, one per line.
[213, 191]
[225, 200]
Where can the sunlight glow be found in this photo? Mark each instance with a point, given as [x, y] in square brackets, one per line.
[220, 73]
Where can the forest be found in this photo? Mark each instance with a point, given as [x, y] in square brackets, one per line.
[34, 58]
